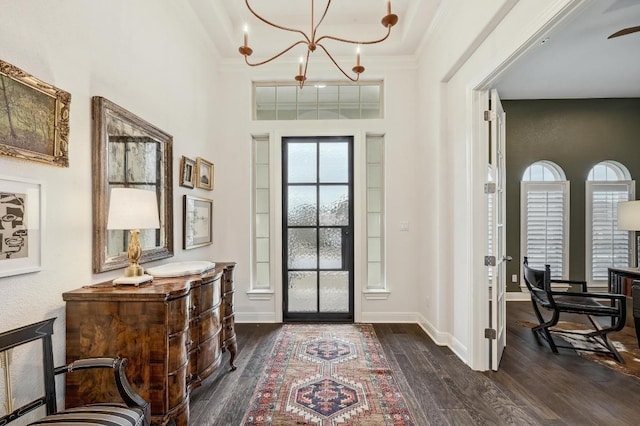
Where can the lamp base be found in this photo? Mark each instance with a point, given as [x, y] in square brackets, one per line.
[141, 279]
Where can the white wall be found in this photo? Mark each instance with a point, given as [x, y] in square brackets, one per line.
[470, 44]
[400, 129]
[147, 56]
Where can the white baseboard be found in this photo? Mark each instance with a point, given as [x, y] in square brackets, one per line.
[391, 317]
[255, 317]
[518, 296]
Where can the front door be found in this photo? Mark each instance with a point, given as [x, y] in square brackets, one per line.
[317, 226]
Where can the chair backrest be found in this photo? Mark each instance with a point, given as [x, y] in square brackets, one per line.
[19, 336]
[538, 282]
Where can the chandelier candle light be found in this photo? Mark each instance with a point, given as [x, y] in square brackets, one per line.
[313, 41]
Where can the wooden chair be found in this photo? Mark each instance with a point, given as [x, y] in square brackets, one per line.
[575, 302]
[134, 412]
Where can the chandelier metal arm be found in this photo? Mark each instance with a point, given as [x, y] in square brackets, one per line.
[311, 42]
[344, 40]
[246, 58]
[336, 64]
[293, 30]
[315, 29]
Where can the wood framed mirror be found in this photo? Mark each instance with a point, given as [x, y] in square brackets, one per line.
[131, 153]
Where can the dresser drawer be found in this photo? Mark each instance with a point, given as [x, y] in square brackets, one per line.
[209, 294]
[209, 324]
[228, 327]
[227, 284]
[178, 348]
[177, 386]
[178, 315]
[209, 357]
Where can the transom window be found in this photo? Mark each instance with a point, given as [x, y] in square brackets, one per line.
[315, 101]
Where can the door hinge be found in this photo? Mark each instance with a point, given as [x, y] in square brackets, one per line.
[489, 115]
[490, 188]
[490, 333]
[489, 261]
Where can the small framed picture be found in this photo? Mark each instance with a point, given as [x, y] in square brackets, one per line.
[204, 171]
[187, 172]
[198, 222]
[20, 226]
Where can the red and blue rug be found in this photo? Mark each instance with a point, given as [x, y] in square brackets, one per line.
[327, 375]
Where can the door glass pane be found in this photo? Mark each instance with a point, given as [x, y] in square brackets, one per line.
[302, 163]
[334, 291]
[334, 205]
[303, 252]
[331, 248]
[302, 206]
[334, 162]
[303, 292]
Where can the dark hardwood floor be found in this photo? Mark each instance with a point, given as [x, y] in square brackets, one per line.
[532, 387]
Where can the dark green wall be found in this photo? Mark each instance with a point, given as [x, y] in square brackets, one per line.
[575, 134]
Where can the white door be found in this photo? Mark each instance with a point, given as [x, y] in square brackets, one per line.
[497, 257]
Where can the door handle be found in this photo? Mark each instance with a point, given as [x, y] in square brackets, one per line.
[507, 258]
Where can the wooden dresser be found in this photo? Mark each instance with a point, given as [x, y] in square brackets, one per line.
[171, 331]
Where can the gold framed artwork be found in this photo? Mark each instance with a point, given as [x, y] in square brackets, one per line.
[198, 222]
[204, 174]
[187, 172]
[34, 118]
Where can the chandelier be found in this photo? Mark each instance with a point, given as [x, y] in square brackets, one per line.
[313, 40]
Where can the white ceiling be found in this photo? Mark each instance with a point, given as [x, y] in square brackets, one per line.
[576, 61]
[354, 19]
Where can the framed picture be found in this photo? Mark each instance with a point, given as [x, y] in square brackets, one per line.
[20, 226]
[204, 178]
[187, 172]
[198, 222]
[34, 118]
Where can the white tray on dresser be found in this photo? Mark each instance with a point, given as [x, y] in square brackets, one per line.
[179, 269]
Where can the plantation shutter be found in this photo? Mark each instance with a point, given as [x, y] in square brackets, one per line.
[545, 225]
[609, 245]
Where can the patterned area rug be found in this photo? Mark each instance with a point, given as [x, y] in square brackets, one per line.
[327, 375]
[625, 342]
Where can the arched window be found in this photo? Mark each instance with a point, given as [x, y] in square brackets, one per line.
[544, 216]
[608, 183]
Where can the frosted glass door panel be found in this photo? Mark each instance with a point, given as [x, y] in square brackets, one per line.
[334, 163]
[302, 163]
[331, 248]
[303, 294]
[334, 205]
[303, 205]
[334, 292]
[303, 248]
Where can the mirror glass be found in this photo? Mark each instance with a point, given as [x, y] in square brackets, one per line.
[129, 152]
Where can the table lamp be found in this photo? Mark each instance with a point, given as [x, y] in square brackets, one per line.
[133, 209]
[629, 217]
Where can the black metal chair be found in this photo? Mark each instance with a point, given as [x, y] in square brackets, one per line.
[574, 302]
[134, 412]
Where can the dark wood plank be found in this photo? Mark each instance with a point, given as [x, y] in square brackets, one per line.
[533, 386]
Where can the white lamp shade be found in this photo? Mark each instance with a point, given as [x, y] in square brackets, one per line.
[133, 209]
[629, 215]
